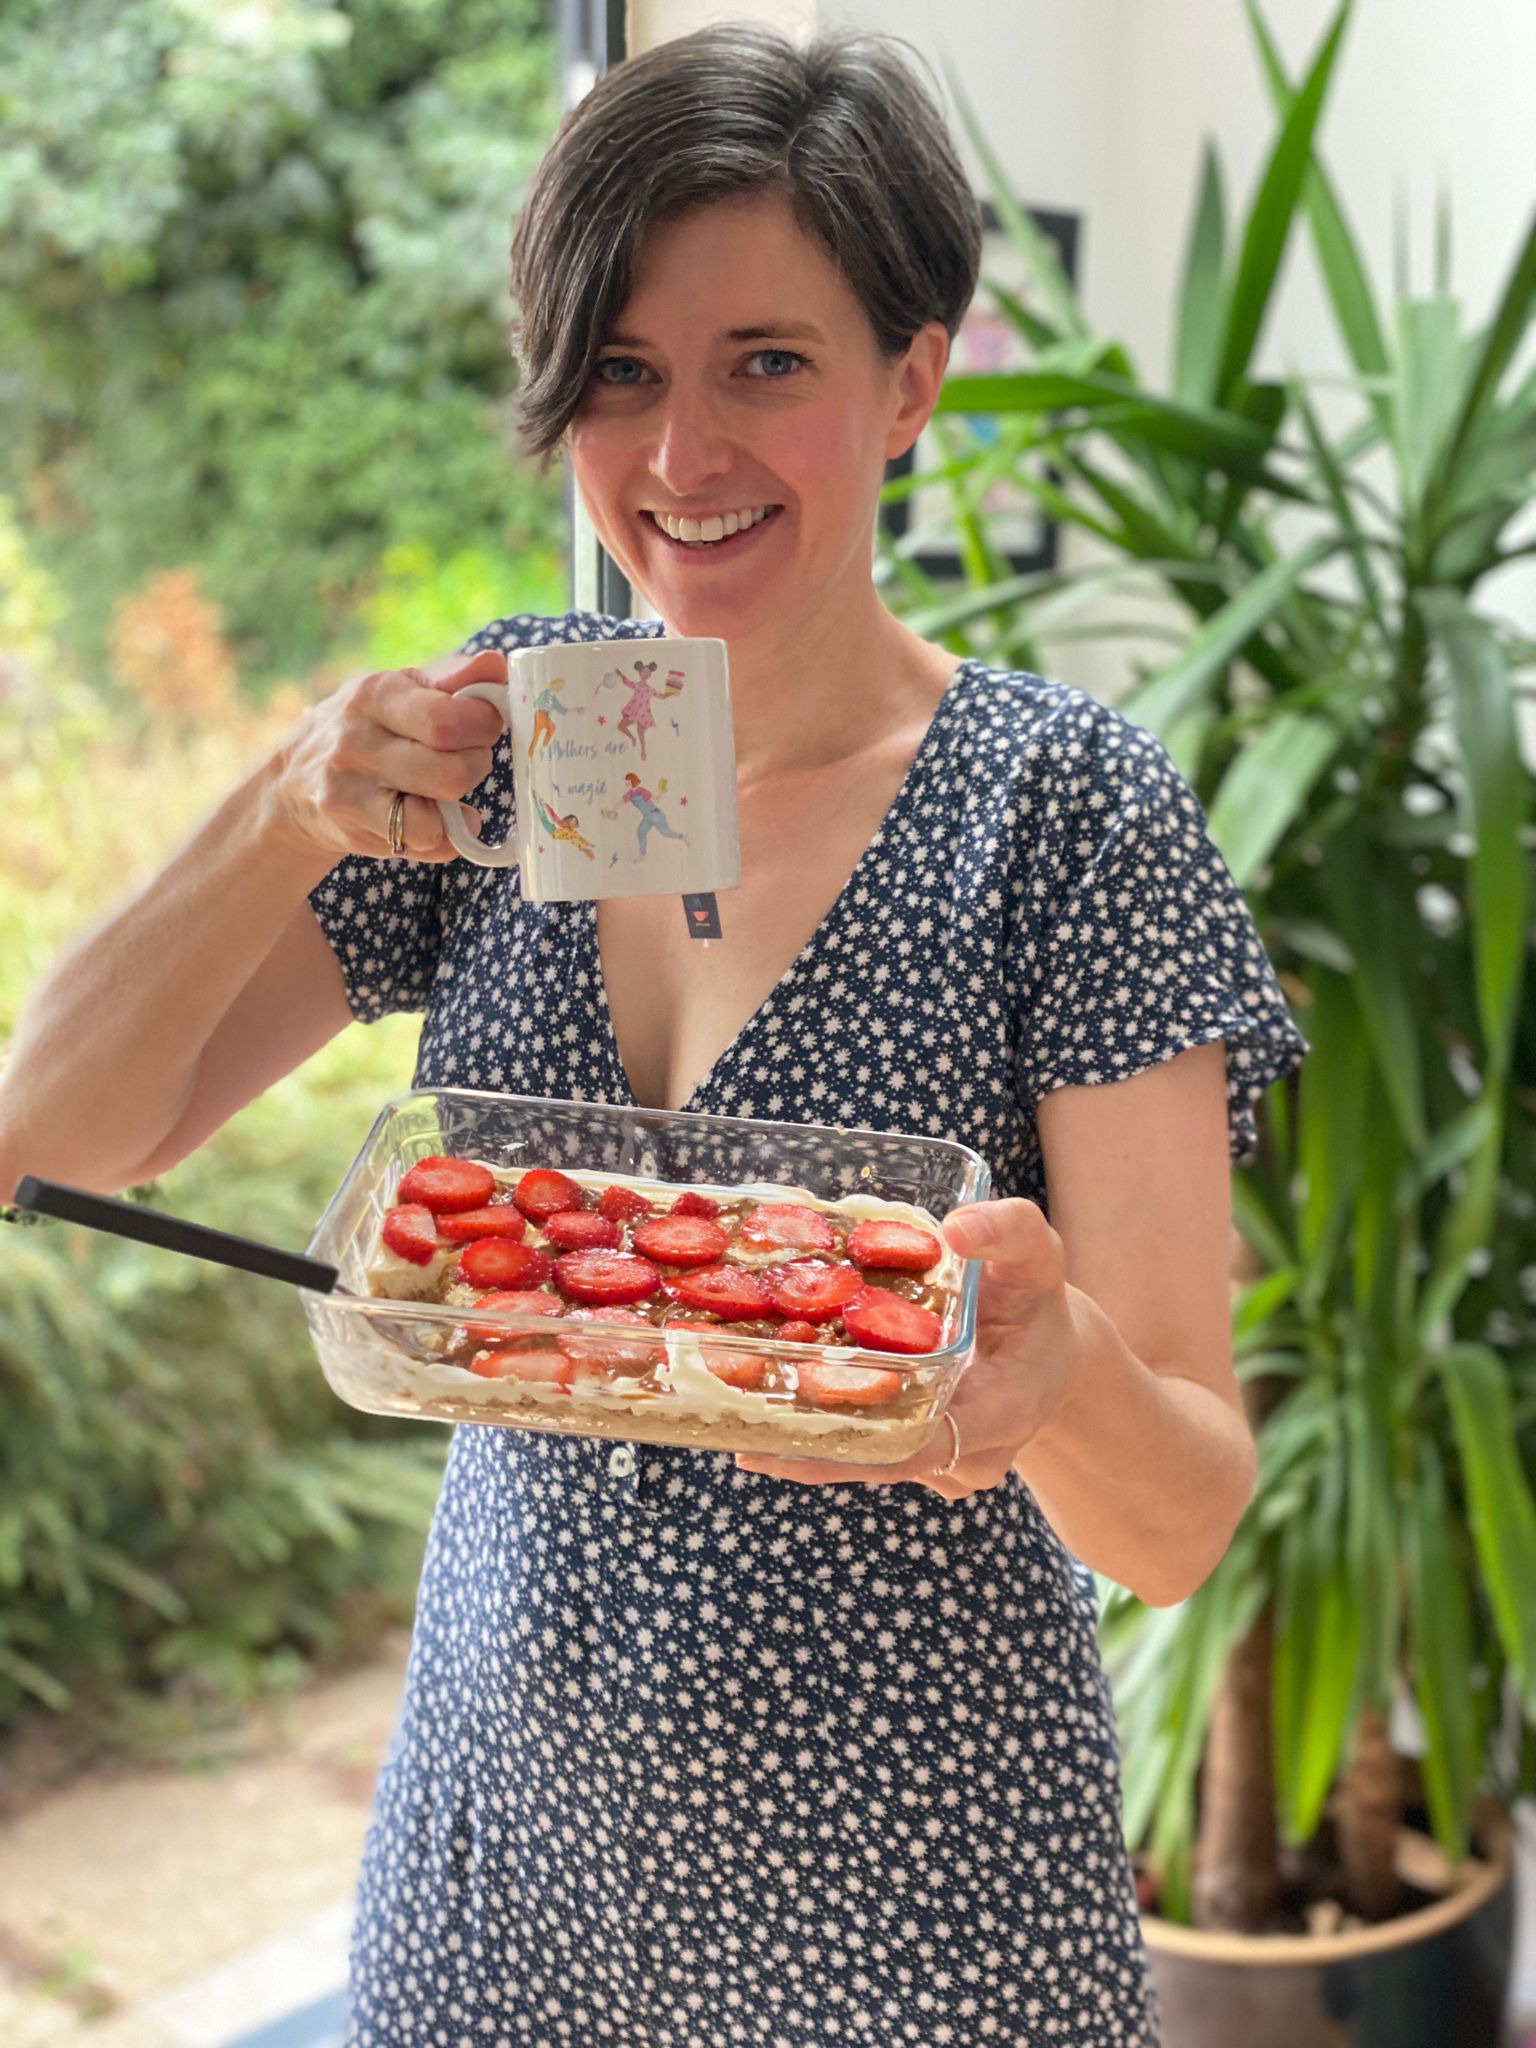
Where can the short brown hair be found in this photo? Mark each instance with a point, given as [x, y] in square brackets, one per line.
[844, 128]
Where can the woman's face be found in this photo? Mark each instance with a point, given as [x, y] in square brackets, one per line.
[743, 373]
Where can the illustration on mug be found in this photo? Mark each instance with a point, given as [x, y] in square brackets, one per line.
[652, 816]
[546, 706]
[566, 829]
[637, 718]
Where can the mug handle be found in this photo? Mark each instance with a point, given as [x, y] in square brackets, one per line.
[472, 849]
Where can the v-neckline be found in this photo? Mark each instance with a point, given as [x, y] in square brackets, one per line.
[586, 931]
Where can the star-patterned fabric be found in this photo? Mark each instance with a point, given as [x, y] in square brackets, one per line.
[690, 1756]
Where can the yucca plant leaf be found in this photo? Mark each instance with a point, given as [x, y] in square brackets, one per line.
[1260, 1300]
[1428, 382]
[1332, 1092]
[1381, 1244]
[1050, 281]
[1202, 311]
[1040, 334]
[1378, 933]
[1338, 256]
[1266, 787]
[1463, 1232]
[1371, 1545]
[1440, 1656]
[1269, 222]
[1336, 484]
[1451, 1146]
[1313, 941]
[1501, 1510]
[1505, 333]
[1264, 1229]
[1484, 715]
[981, 563]
[1317, 1633]
[1173, 690]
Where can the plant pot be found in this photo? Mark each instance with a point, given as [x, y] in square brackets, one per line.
[1437, 1977]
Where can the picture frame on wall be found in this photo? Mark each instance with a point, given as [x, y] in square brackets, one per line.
[986, 343]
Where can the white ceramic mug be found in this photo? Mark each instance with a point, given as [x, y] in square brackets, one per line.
[624, 770]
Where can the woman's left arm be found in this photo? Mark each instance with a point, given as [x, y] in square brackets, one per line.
[1103, 1368]
[1145, 1463]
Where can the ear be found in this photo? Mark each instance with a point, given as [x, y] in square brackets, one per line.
[918, 377]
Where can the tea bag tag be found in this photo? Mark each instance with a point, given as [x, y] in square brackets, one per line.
[703, 914]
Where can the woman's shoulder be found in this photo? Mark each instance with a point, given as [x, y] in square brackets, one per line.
[1054, 740]
[545, 629]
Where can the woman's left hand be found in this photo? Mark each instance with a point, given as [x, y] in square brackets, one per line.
[1016, 1380]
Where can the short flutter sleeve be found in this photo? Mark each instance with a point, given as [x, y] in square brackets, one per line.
[384, 918]
[1142, 944]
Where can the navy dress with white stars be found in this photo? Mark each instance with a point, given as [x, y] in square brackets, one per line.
[690, 1756]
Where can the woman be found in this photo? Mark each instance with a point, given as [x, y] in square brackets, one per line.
[697, 1750]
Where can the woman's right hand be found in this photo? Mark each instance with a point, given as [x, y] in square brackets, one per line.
[397, 729]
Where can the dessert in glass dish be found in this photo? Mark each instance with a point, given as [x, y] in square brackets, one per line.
[711, 1282]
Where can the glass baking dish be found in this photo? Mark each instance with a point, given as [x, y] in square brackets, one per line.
[388, 1356]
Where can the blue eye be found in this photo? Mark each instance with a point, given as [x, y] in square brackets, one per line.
[783, 355]
[607, 363]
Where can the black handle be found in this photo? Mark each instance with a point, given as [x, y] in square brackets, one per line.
[172, 1233]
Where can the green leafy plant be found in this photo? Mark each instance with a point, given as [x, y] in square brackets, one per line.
[189, 1519]
[1343, 699]
[252, 309]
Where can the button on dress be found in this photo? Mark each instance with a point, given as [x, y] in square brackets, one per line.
[690, 1756]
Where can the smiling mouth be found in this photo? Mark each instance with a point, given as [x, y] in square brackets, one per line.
[731, 543]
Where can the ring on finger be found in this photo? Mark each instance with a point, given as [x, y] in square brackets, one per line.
[395, 828]
[954, 1457]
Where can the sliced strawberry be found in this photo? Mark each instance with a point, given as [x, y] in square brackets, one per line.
[541, 1194]
[738, 1368]
[582, 1230]
[810, 1291]
[726, 1291]
[882, 1245]
[671, 1320]
[447, 1184]
[690, 1204]
[680, 1240]
[544, 1368]
[608, 1278]
[798, 1333]
[847, 1386]
[787, 1223]
[516, 1301]
[624, 1205]
[498, 1262]
[882, 1321]
[411, 1233]
[499, 1220]
[621, 1354]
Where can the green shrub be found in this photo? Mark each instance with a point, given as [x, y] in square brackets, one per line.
[253, 309]
[188, 1516]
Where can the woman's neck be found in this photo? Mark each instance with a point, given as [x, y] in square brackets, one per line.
[817, 688]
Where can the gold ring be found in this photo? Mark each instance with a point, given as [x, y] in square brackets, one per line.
[395, 829]
[954, 1430]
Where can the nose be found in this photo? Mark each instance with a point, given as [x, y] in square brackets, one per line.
[692, 448]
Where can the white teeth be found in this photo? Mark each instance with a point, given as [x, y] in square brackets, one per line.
[717, 527]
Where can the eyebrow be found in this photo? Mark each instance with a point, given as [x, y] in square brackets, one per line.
[782, 330]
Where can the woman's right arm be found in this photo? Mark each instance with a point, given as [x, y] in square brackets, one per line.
[213, 980]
